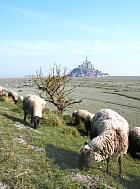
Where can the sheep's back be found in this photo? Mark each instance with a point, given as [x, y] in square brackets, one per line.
[82, 113]
[113, 128]
[108, 119]
[34, 104]
[111, 142]
[134, 136]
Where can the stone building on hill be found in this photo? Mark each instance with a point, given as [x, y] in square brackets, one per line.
[87, 65]
[86, 69]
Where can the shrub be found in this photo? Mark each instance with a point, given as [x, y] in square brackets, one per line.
[71, 131]
[53, 119]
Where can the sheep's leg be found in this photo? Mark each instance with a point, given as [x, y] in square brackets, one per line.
[77, 120]
[31, 118]
[25, 114]
[107, 165]
[88, 127]
[120, 166]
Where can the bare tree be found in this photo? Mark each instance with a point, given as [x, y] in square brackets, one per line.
[55, 89]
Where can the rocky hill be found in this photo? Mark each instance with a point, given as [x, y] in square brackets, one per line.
[86, 69]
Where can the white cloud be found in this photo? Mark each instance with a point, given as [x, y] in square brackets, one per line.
[38, 47]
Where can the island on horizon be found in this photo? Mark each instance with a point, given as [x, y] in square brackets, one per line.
[87, 69]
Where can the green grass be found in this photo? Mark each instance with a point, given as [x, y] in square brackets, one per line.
[47, 157]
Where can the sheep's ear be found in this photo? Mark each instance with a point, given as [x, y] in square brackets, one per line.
[85, 150]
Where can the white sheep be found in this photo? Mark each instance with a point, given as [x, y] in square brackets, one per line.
[33, 105]
[85, 117]
[14, 95]
[3, 92]
[111, 138]
[134, 142]
[21, 98]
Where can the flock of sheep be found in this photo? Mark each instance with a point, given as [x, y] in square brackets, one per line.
[110, 136]
[108, 131]
[32, 105]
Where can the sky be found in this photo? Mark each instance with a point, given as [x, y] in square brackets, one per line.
[41, 33]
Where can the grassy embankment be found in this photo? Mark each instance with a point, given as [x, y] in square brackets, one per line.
[48, 157]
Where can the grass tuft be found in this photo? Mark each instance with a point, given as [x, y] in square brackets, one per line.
[70, 131]
[53, 120]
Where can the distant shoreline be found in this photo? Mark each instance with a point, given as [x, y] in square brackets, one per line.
[14, 78]
[29, 77]
[18, 77]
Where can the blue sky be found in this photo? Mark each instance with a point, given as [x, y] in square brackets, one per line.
[36, 33]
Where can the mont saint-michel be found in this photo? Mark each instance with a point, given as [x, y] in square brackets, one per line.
[87, 69]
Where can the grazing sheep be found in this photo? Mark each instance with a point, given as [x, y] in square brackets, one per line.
[14, 95]
[111, 138]
[134, 142]
[21, 98]
[1, 91]
[33, 105]
[85, 117]
[5, 93]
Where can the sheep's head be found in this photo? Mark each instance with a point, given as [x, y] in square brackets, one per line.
[5, 93]
[15, 98]
[88, 156]
[36, 121]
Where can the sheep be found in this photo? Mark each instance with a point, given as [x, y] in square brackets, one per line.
[1, 91]
[21, 98]
[134, 142]
[5, 93]
[33, 105]
[110, 139]
[85, 117]
[14, 95]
